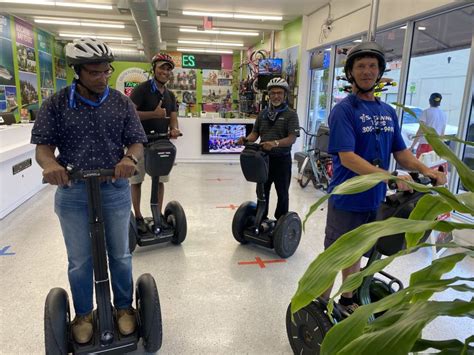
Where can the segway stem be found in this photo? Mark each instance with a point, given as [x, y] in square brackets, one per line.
[261, 205]
[155, 208]
[101, 277]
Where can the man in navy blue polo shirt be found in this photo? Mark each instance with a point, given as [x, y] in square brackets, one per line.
[154, 101]
[90, 125]
[364, 132]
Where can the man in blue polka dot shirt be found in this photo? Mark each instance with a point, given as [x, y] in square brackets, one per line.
[90, 125]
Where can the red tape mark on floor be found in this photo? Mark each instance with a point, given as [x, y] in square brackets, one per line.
[261, 262]
[231, 206]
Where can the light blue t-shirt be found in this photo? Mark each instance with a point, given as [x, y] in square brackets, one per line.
[370, 129]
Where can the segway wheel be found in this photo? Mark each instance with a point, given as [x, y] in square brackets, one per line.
[243, 218]
[148, 308]
[174, 215]
[132, 233]
[308, 330]
[287, 235]
[56, 322]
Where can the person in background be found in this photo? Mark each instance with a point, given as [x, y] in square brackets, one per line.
[90, 124]
[433, 117]
[364, 132]
[277, 126]
[154, 101]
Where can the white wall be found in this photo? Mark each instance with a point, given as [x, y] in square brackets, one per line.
[348, 24]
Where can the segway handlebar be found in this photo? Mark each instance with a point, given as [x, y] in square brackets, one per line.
[417, 177]
[85, 174]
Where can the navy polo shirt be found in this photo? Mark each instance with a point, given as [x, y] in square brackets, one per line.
[88, 137]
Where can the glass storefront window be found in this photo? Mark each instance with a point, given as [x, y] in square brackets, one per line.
[319, 88]
[339, 85]
[439, 62]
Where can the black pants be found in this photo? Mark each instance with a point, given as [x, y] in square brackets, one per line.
[280, 174]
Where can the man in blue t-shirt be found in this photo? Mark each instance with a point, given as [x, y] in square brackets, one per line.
[363, 133]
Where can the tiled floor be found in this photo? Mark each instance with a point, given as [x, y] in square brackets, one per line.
[210, 304]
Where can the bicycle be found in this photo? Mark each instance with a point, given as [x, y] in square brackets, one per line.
[315, 164]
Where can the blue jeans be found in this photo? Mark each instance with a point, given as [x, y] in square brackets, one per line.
[71, 206]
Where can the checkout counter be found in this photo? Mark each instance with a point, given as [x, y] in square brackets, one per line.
[20, 175]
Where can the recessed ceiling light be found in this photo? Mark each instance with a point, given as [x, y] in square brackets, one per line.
[76, 22]
[64, 4]
[211, 43]
[357, 41]
[81, 35]
[403, 27]
[233, 15]
[217, 31]
[421, 28]
[202, 50]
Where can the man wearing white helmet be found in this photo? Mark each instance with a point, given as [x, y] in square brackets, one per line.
[90, 124]
[277, 126]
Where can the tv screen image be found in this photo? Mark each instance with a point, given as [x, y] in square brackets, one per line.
[222, 138]
[270, 66]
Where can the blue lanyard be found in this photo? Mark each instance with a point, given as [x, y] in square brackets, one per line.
[73, 93]
[154, 88]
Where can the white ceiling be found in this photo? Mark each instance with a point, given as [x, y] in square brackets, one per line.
[290, 10]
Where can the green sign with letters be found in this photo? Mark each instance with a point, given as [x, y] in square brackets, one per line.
[188, 61]
[201, 61]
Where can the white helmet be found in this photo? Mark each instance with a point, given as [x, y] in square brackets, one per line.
[88, 50]
[278, 83]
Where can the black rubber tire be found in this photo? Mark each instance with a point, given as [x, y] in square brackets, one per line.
[56, 322]
[148, 308]
[307, 333]
[244, 217]
[287, 235]
[305, 179]
[132, 233]
[175, 216]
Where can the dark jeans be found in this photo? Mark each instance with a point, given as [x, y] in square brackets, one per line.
[279, 174]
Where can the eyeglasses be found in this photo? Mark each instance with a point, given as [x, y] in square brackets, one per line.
[98, 73]
[276, 93]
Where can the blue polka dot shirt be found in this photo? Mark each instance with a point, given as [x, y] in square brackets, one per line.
[88, 137]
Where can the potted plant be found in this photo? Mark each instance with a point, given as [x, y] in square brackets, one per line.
[408, 311]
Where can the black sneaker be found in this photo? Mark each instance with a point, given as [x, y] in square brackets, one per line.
[141, 225]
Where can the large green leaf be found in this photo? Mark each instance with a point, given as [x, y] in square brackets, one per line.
[448, 347]
[350, 247]
[428, 208]
[356, 279]
[465, 173]
[354, 336]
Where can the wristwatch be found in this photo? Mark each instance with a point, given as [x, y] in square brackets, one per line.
[132, 158]
[277, 142]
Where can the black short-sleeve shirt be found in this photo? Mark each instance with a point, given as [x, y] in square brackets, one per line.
[287, 122]
[146, 97]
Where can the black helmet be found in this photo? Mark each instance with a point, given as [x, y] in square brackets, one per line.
[435, 99]
[87, 51]
[365, 49]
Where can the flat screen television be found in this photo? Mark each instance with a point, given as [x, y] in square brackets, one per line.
[218, 138]
[270, 66]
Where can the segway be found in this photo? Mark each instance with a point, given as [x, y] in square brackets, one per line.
[160, 155]
[106, 337]
[312, 322]
[249, 225]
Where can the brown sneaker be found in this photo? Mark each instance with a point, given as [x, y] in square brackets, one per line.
[82, 328]
[126, 321]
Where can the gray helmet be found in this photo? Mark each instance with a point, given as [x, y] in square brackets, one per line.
[365, 49]
[278, 83]
[88, 50]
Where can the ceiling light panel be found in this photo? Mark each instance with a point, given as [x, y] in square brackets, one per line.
[64, 4]
[211, 43]
[76, 22]
[202, 50]
[217, 31]
[233, 15]
[81, 35]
